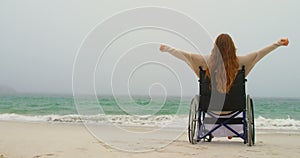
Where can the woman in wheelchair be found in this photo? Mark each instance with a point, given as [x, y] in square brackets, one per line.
[223, 45]
[221, 66]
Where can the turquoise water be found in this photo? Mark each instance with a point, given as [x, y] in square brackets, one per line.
[64, 105]
[37, 105]
[274, 108]
[277, 108]
[269, 112]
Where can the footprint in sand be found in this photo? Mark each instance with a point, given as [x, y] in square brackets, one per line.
[82, 149]
[2, 156]
[44, 155]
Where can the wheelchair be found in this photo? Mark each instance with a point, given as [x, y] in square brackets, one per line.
[231, 113]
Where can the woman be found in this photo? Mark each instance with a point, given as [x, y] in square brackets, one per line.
[223, 57]
[223, 61]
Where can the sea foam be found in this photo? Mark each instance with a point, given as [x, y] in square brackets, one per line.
[180, 121]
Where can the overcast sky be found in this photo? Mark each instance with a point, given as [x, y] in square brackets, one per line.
[40, 39]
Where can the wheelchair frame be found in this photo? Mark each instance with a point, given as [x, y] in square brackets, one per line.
[198, 111]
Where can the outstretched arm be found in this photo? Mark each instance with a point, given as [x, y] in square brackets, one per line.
[193, 60]
[251, 59]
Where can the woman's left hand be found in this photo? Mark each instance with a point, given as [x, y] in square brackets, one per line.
[284, 41]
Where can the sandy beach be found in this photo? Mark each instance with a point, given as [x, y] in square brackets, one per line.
[60, 140]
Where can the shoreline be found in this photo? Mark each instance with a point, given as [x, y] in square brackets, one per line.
[152, 121]
[41, 139]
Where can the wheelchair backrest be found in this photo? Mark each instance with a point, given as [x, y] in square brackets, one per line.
[212, 100]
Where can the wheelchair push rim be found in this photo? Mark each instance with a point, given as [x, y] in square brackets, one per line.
[250, 122]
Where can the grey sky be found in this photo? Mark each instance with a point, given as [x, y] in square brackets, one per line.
[39, 40]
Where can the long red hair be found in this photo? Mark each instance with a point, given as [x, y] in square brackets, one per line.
[223, 65]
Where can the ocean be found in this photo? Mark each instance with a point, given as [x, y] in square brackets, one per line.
[270, 113]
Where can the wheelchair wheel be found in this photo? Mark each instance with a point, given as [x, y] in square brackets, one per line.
[250, 122]
[253, 125]
[208, 138]
[193, 121]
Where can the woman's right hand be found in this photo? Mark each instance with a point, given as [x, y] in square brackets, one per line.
[162, 47]
[284, 41]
